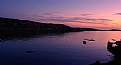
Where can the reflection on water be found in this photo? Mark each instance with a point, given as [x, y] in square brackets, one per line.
[12, 35]
[54, 49]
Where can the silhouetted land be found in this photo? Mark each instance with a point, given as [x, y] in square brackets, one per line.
[7, 24]
[16, 25]
[114, 30]
[13, 28]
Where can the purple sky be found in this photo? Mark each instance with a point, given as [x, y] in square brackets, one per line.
[102, 14]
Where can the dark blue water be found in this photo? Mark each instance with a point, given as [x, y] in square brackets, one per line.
[61, 49]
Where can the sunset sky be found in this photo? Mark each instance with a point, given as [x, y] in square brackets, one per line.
[102, 14]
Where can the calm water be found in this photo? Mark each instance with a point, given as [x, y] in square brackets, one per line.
[63, 49]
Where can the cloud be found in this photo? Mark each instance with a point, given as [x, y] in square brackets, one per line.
[99, 19]
[53, 16]
[92, 22]
[90, 19]
[75, 19]
[50, 12]
[118, 13]
[86, 14]
[47, 13]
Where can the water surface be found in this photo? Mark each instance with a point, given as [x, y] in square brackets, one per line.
[61, 49]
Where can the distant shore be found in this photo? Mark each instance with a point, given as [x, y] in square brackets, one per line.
[8, 24]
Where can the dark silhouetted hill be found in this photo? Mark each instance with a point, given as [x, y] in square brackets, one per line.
[7, 24]
[15, 28]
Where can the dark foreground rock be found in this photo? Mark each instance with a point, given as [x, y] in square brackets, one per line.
[116, 59]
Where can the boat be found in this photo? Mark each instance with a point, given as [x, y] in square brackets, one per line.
[91, 40]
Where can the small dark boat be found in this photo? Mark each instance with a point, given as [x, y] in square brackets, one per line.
[91, 40]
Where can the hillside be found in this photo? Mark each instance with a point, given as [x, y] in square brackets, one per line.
[7, 24]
